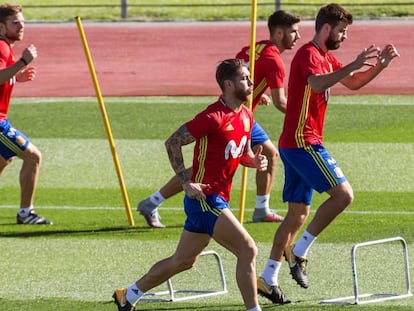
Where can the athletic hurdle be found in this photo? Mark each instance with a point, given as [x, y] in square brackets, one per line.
[193, 293]
[380, 296]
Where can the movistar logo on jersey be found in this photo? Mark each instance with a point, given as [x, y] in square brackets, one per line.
[233, 150]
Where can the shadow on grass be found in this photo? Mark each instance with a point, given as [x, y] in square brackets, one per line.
[75, 232]
[72, 305]
[173, 306]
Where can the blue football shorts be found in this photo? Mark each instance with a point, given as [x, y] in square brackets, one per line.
[307, 169]
[12, 141]
[259, 135]
[202, 214]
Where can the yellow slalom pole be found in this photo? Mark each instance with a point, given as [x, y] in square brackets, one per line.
[106, 121]
[252, 60]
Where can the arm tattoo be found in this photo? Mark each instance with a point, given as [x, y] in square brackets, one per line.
[174, 145]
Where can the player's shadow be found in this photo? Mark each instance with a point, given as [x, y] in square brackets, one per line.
[182, 306]
[86, 231]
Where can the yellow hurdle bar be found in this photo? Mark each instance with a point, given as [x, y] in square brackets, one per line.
[106, 121]
[252, 60]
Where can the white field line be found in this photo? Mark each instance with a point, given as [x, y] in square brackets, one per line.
[91, 208]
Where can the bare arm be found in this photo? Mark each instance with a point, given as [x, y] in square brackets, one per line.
[28, 55]
[358, 79]
[279, 99]
[173, 144]
[7, 73]
[319, 83]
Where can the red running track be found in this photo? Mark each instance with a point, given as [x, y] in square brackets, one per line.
[137, 59]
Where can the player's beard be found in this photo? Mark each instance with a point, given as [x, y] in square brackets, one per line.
[287, 43]
[14, 36]
[331, 43]
[242, 94]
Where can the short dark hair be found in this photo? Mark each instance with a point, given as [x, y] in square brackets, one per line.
[332, 14]
[7, 10]
[228, 70]
[281, 18]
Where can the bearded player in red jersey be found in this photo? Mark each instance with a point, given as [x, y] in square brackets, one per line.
[13, 142]
[308, 165]
[269, 73]
[222, 140]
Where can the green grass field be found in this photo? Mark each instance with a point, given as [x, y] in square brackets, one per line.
[207, 10]
[90, 250]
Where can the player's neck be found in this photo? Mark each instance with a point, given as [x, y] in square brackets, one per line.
[318, 44]
[3, 37]
[277, 44]
[231, 103]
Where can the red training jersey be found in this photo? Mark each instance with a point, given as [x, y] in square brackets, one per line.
[269, 69]
[6, 59]
[305, 114]
[221, 136]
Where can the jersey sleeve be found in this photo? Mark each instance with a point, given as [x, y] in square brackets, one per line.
[275, 73]
[244, 54]
[201, 125]
[4, 54]
[311, 62]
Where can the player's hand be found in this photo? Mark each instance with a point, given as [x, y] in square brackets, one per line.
[366, 56]
[195, 190]
[260, 159]
[264, 100]
[29, 53]
[26, 74]
[388, 53]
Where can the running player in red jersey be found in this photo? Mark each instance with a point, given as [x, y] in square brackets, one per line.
[308, 166]
[269, 73]
[13, 142]
[222, 140]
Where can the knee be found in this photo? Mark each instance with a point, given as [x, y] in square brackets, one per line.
[183, 264]
[270, 151]
[302, 218]
[4, 163]
[252, 251]
[273, 154]
[38, 158]
[297, 214]
[35, 157]
[276, 154]
[249, 252]
[347, 195]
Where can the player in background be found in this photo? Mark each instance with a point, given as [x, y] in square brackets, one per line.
[221, 134]
[13, 142]
[269, 73]
[307, 164]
